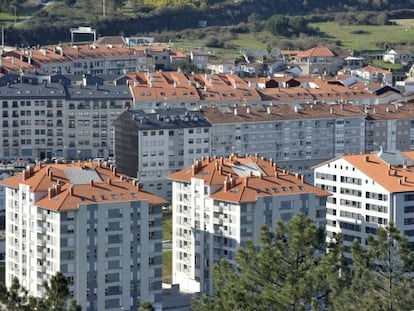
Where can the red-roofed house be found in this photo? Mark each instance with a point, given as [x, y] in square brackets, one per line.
[372, 74]
[318, 60]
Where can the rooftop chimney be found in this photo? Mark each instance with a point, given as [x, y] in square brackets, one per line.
[25, 174]
[91, 182]
[58, 188]
[51, 192]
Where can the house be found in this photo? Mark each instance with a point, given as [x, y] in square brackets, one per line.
[318, 60]
[178, 59]
[370, 74]
[219, 67]
[199, 59]
[395, 56]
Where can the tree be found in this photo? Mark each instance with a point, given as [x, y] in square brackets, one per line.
[145, 306]
[380, 278]
[16, 298]
[278, 25]
[284, 273]
[57, 293]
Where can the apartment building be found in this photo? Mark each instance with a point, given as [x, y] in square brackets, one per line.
[296, 137]
[52, 119]
[219, 203]
[389, 127]
[97, 227]
[368, 191]
[96, 59]
[175, 89]
[152, 145]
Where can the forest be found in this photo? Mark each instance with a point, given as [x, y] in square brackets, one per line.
[130, 17]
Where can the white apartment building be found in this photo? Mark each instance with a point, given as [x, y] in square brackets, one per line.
[368, 191]
[220, 203]
[152, 145]
[97, 227]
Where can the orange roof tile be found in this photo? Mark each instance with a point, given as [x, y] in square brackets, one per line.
[392, 178]
[265, 179]
[319, 51]
[390, 111]
[106, 186]
[283, 112]
[375, 69]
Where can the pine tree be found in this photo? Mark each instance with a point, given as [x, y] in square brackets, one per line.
[380, 275]
[16, 297]
[284, 273]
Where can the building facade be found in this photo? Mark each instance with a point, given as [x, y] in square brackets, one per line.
[220, 203]
[368, 191]
[296, 137]
[152, 145]
[45, 120]
[100, 229]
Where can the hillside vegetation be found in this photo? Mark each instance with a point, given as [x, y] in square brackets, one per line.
[132, 17]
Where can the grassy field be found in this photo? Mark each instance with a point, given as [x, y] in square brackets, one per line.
[363, 37]
[252, 40]
[167, 266]
[166, 226]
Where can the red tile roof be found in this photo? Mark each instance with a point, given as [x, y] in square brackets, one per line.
[272, 181]
[63, 194]
[319, 51]
[392, 178]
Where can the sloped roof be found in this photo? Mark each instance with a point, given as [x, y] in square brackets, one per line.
[319, 51]
[393, 170]
[245, 179]
[66, 186]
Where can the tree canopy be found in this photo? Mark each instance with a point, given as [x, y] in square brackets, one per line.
[291, 270]
[16, 298]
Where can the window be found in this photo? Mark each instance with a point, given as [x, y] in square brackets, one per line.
[409, 209]
[409, 197]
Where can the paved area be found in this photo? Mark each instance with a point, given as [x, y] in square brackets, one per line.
[175, 300]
